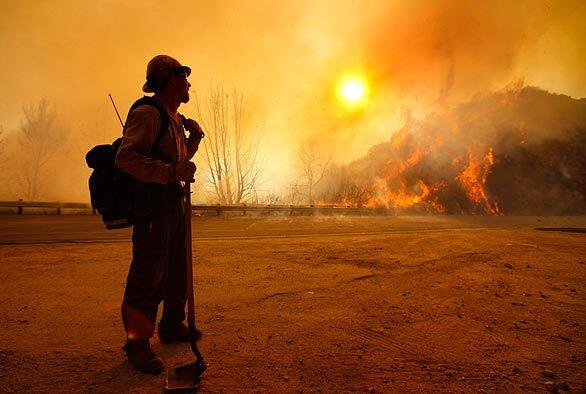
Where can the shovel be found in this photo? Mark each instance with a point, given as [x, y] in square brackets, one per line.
[187, 376]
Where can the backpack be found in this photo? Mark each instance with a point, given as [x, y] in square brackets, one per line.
[120, 198]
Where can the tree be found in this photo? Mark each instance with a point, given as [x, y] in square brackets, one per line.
[41, 140]
[272, 198]
[231, 148]
[294, 194]
[311, 165]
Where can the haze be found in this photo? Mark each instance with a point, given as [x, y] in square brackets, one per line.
[285, 57]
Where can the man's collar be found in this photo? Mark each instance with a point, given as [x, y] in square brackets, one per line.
[172, 115]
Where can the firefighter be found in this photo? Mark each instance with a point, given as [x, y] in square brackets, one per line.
[154, 149]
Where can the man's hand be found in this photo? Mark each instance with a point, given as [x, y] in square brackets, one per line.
[184, 171]
[192, 127]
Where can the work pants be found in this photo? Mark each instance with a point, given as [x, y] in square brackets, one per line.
[158, 271]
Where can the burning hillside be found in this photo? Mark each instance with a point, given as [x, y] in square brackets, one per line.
[518, 151]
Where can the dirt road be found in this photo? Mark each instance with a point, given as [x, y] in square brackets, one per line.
[380, 304]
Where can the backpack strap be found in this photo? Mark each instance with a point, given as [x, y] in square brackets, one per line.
[153, 102]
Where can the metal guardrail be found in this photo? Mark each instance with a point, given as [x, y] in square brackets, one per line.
[20, 205]
[58, 206]
[286, 209]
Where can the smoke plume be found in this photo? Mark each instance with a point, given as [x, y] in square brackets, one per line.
[285, 57]
[517, 151]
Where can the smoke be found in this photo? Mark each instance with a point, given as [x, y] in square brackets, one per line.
[429, 54]
[517, 151]
[286, 59]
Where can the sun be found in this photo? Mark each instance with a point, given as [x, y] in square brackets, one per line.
[353, 91]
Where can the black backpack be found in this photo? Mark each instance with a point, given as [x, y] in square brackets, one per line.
[120, 198]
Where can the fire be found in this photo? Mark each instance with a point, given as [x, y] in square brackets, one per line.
[477, 158]
[473, 179]
[393, 190]
[404, 196]
[401, 198]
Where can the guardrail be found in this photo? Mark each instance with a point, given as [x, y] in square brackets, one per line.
[285, 209]
[58, 206]
[20, 205]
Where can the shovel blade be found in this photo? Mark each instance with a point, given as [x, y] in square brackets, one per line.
[184, 377]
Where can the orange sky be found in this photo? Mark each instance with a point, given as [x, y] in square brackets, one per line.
[286, 57]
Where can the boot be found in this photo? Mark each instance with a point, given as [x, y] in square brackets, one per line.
[141, 356]
[176, 333]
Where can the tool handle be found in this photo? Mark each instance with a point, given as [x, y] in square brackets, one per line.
[190, 295]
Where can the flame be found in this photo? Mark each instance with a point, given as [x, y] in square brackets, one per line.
[473, 180]
[453, 160]
[401, 198]
[396, 189]
[405, 196]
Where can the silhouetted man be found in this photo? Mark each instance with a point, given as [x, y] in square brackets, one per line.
[155, 150]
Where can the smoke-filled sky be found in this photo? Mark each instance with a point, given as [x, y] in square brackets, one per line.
[287, 58]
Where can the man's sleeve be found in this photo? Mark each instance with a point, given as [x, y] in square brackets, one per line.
[192, 146]
[140, 132]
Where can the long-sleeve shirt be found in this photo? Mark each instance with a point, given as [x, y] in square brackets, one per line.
[136, 156]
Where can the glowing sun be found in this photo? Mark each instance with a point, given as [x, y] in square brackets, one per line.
[353, 91]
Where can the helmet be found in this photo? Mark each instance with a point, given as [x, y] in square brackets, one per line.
[159, 68]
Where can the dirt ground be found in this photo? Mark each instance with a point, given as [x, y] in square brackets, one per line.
[302, 304]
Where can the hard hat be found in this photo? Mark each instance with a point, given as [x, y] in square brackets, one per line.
[160, 67]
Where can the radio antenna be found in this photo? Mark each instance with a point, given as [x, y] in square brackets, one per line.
[116, 109]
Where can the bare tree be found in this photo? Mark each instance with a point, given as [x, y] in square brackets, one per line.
[342, 186]
[311, 165]
[231, 148]
[295, 194]
[272, 198]
[41, 140]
